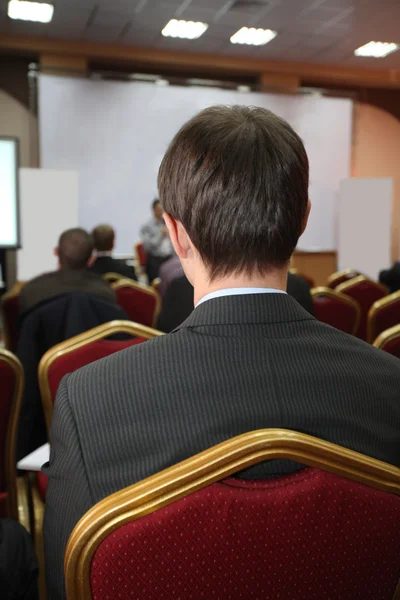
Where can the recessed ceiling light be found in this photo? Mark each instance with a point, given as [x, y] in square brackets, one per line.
[376, 49]
[30, 11]
[189, 30]
[253, 36]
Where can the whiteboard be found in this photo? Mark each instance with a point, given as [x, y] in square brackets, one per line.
[116, 133]
[9, 200]
[49, 205]
[365, 210]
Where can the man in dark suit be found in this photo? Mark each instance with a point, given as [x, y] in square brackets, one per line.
[74, 251]
[391, 277]
[234, 187]
[103, 240]
[300, 290]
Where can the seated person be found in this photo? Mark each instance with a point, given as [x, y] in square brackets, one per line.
[74, 251]
[299, 289]
[234, 187]
[391, 277]
[156, 242]
[18, 564]
[103, 240]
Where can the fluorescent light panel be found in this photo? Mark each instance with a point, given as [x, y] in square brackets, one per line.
[377, 49]
[253, 36]
[30, 11]
[189, 30]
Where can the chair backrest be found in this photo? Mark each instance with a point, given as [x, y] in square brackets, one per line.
[140, 302]
[365, 292]
[332, 531]
[389, 341]
[112, 277]
[336, 309]
[339, 277]
[11, 387]
[383, 314]
[82, 350]
[309, 280]
[155, 284]
[9, 306]
[141, 254]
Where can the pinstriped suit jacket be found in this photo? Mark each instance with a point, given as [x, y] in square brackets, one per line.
[236, 364]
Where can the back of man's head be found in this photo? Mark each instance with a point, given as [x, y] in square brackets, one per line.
[75, 248]
[237, 179]
[103, 238]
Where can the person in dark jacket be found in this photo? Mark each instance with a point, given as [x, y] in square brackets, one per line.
[299, 289]
[18, 563]
[234, 189]
[74, 251]
[103, 240]
[391, 277]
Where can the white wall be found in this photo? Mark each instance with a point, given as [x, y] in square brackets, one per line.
[365, 209]
[115, 135]
[49, 205]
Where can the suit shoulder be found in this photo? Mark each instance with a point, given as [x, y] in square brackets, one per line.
[41, 280]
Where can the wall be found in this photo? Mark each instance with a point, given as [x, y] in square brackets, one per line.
[376, 153]
[17, 121]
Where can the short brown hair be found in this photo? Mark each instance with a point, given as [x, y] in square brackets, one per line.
[103, 238]
[237, 179]
[75, 247]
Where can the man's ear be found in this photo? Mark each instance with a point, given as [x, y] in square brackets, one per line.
[179, 238]
[305, 218]
[55, 251]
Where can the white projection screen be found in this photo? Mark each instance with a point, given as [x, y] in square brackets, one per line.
[115, 134]
[9, 194]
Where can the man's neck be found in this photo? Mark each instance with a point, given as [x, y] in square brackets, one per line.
[100, 253]
[276, 280]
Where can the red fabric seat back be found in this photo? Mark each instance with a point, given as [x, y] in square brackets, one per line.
[393, 346]
[342, 279]
[10, 314]
[385, 317]
[365, 293]
[307, 535]
[7, 391]
[336, 313]
[139, 305]
[141, 254]
[79, 357]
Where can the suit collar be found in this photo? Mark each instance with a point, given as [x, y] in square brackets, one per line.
[246, 310]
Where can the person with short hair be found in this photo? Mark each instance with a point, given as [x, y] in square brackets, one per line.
[103, 240]
[234, 188]
[156, 241]
[74, 250]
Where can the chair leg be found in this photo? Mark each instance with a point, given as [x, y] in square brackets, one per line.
[23, 502]
[38, 514]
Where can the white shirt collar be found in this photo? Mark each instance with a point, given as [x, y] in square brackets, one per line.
[103, 253]
[238, 292]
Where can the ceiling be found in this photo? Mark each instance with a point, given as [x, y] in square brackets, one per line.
[316, 31]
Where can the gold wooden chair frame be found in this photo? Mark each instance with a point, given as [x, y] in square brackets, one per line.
[375, 308]
[346, 285]
[334, 276]
[143, 288]
[155, 284]
[387, 336]
[112, 277]
[202, 470]
[11, 435]
[83, 339]
[330, 293]
[15, 290]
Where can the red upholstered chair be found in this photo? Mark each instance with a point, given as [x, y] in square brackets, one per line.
[81, 350]
[113, 277]
[340, 277]
[365, 292]
[191, 532]
[11, 387]
[389, 341]
[141, 257]
[383, 315]
[9, 306]
[336, 309]
[306, 278]
[140, 302]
